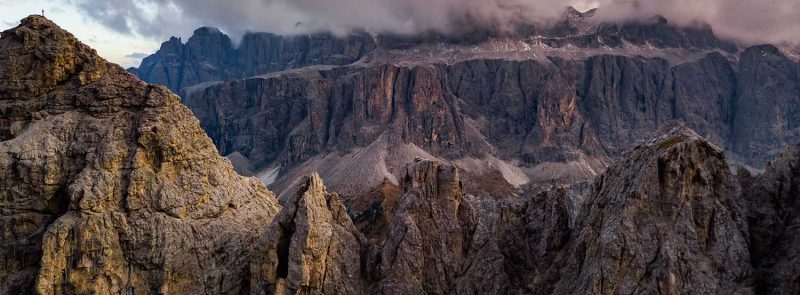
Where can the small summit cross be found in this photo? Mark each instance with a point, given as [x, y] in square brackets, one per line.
[42, 12]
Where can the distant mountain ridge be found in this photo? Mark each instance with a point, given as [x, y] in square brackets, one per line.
[532, 106]
[544, 120]
[209, 55]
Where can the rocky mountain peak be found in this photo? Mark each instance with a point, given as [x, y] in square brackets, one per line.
[673, 194]
[210, 36]
[207, 31]
[312, 246]
[763, 49]
[676, 133]
[574, 14]
[432, 178]
[109, 185]
[40, 55]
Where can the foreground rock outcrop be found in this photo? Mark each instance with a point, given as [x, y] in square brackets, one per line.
[668, 218]
[311, 247]
[774, 202]
[107, 184]
[430, 234]
[664, 219]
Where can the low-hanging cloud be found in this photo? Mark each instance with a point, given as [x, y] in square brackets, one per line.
[163, 18]
[752, 21]
[137, 55]
[749, 21]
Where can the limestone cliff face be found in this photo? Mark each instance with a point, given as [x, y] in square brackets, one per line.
[316, 111]
[108, 185]
[766, 117]
[474, 110]
[552, 105]
[560, 119]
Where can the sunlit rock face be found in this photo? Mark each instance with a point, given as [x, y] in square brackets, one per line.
[108, 184]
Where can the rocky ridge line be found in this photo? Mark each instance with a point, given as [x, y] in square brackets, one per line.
[667, 218]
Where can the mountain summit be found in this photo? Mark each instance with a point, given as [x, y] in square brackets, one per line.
[108, 184]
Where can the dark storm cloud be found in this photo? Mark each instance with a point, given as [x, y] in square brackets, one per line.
[142, 17]
[746, 20]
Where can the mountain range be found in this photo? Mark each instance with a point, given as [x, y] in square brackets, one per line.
[584, 158]
[539, 105]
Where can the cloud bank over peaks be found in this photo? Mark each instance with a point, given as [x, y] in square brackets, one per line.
[751, 21]
[164, 18]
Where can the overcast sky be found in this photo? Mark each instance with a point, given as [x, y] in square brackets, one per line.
[123, 31]
[111, 44]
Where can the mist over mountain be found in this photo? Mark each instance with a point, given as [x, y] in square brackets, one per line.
[769, 21]
[772, 21]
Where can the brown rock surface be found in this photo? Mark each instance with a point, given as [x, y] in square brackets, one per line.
[107, 184]
[664, 219]
[430, 233]
[667, 218]
[311, 247]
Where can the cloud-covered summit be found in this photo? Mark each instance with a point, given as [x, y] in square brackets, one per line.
[751, 21]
